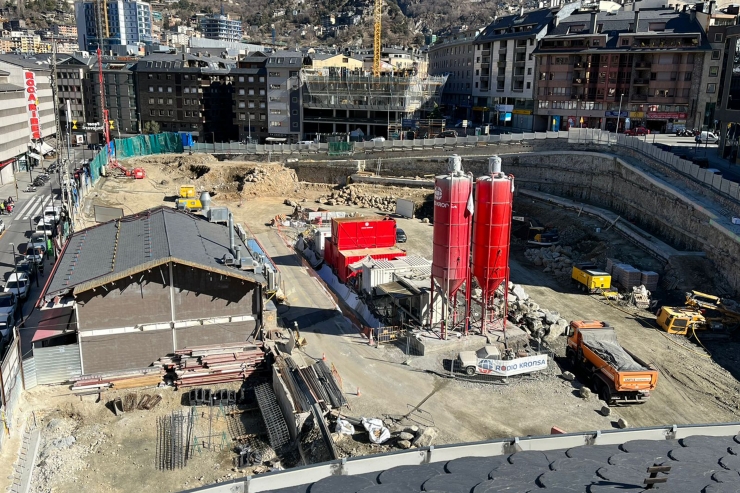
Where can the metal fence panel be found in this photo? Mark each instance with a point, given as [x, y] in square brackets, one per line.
[29, 373]
[57, 364]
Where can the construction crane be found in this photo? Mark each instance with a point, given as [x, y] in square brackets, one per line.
[376, 45]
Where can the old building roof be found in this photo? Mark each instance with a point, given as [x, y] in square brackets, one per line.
[512, 26]
[121, 247]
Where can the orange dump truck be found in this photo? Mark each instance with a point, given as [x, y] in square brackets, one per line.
[615, 374]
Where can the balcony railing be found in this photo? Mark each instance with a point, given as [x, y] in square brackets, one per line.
[639, 97]
[640, 81]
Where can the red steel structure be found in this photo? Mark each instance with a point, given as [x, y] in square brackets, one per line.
[494, 195]
[451, 244]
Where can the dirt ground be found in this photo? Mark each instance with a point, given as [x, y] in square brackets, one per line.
[117, 454]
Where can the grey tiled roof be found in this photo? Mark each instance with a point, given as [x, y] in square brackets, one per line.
[134, 241]
[698, 464]
[539, 19]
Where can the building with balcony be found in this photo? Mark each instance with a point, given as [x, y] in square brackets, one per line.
[72, 77]
[602, 69]
[120, 96]
[186, 92]
[453, 55]
[250, 98]
[221, 27]
[504, 68]
[284, 110]
[727, 114]
[126, 24]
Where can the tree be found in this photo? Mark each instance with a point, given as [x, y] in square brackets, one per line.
[151, 128]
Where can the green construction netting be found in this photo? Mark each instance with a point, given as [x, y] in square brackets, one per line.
[140, 145]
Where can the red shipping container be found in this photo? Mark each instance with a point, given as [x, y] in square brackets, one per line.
[343, 259]
[352, 233]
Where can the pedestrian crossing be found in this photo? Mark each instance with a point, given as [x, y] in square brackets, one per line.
[33, 208]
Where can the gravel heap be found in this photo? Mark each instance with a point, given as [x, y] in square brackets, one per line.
[556, 259]
[355, 197]
[539, 322]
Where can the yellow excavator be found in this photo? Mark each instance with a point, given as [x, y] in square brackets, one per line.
[702, 312]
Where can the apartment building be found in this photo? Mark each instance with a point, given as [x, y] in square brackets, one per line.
[64, 31]
[454, 55]
[284, 103]
[72, 77]
[727, 115]
[603, 69]
[187, 92]
[120, 95]
[504, 67]
[126, 25]
[250, 98]
[221, 27]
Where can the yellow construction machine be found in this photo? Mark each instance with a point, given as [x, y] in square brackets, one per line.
[681, 321]
[187, 192]
[716, 311]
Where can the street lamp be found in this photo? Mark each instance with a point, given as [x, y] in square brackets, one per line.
[15, 262]
[619, 114]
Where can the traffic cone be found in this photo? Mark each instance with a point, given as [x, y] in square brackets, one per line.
[323, 356]
[370, 339]
[358, 392]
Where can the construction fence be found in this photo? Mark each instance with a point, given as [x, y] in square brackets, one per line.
[11, 387]
[139, 145]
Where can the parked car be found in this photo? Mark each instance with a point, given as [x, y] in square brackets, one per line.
[35, 254]
[45, 227]
[400, 236]
[38, 240]
[19, 284]
[637, 131]
[447, 133]
[701, 162]
[52, 213]
[706, 138]
[27, 268]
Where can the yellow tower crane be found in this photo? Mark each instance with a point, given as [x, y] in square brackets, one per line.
[376, 46]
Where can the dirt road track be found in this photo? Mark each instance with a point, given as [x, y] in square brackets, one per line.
[692, 388]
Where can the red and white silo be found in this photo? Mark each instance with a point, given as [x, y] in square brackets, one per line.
[451, 242]
[494, 194]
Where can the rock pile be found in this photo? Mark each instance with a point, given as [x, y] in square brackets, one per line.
[537, 321]
[355, 197]
[256, 175]
[556, 259]
[414, 436]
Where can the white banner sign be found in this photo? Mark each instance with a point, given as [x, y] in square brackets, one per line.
[517, 366]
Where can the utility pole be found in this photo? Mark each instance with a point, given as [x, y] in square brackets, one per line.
[55, 92]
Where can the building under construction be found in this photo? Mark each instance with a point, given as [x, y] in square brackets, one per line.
[334, 98]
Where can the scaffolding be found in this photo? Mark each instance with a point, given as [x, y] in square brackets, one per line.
[351, 91]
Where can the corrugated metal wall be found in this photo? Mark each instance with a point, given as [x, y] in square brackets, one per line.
[57, 364]
[29, 373]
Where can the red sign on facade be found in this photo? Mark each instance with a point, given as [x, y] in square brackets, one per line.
[666, 116]
[32, 105]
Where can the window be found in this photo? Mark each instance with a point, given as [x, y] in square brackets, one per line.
[251, 92]
[294, 99]
[169, 100]
[274, 74]
[251, 78]
[186, 90]
[161, 112]
[595, 42]
[187, 114]
[274, 86]
[151, 100]
[152, 113]
[625, 42]
[276, 112]
[242, 116]
[715, 54]
[160, 100]
[251, 104]
[718, 37]
[242, 104]
[674, 75]
[529, 85]
[262, 116]
[656, 26]
[151, 88]
[186, 77]
[262, 78]
[241, 78]
[169, 112]
[262, 104]
[160, 89]
[187, 101]
[711, 88]
[295, 112]
[713, 71]
[276, 124]
[262, 92]
[169, 89]
[529, 71]
[169, 76]
[150, 76]
[687, 75]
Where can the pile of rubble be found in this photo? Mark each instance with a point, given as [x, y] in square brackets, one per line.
[256, 175]
[355, 197]
[539, 323]
[556, 259]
